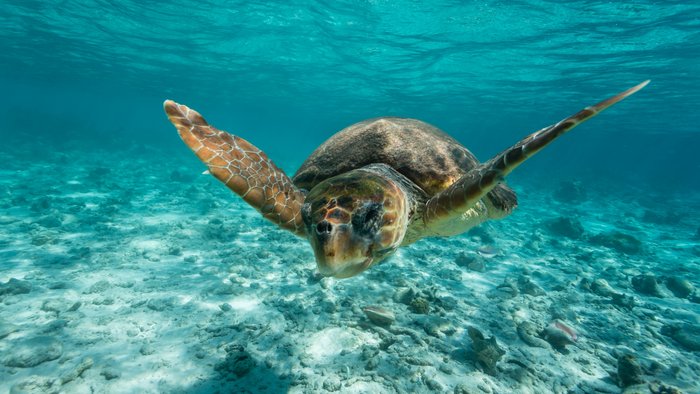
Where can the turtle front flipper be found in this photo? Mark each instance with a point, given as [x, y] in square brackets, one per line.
[242, 167]
[458, 199]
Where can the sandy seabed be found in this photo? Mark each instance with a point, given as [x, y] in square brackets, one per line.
[131, 272]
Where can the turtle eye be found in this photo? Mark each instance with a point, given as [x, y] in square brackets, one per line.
[306, 214]
[324, 227]
[367, 219]
[372, 214]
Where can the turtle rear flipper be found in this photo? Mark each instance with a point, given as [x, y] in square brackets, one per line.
[468, 190]
[242, 167]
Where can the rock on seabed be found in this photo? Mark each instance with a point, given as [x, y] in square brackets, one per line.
[32, 352]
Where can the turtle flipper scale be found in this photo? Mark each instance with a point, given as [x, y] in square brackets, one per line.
[242, 167]
[469, 189]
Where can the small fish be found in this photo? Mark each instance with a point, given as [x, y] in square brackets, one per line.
[379, 315]
[206, 172]
[488, 251]
[570, 331]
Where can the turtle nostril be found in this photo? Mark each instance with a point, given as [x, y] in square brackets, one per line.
[324, 227]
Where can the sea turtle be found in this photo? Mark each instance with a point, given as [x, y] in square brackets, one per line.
[372, 187]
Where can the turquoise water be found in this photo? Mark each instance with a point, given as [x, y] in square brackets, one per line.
[103, 207]
[487, 72]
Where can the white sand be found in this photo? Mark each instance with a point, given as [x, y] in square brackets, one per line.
[150, 282]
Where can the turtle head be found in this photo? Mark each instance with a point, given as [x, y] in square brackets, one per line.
[353, 221]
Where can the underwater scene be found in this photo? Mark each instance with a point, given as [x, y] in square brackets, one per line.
[178, 214]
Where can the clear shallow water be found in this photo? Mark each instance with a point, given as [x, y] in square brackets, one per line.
[95, 186]
[487, 72]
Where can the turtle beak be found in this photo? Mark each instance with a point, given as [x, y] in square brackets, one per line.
[339, 252]
[346, 269]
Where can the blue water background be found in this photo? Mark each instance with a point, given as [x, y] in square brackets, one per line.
[286, 75]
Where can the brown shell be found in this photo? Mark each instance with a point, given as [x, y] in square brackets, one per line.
[422, 153]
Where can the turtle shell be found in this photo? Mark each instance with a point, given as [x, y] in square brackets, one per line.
[421, 152]
[424, 154]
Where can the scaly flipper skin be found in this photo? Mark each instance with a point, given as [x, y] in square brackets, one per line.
[244, 168]
[468, 190]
